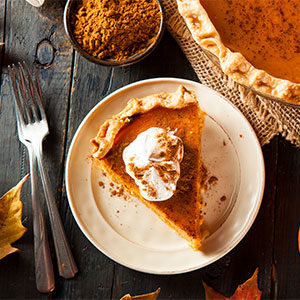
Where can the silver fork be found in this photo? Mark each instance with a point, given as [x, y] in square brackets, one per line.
[43, 264]
[32, 129]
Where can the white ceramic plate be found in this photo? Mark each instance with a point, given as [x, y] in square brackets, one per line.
[127, 231]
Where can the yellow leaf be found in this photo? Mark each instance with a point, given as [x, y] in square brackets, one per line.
[150, 296]
[11, 228]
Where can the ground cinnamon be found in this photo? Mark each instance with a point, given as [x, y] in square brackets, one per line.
[116, 29]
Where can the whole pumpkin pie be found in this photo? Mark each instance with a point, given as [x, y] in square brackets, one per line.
[257, 42]
[177, 121]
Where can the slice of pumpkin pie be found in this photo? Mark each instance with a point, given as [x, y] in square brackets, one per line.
[152, 148]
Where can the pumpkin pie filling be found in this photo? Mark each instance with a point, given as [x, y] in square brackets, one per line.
[182, 211]
[265, 32]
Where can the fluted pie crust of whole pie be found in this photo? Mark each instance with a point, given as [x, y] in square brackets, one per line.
[178, 112]
[257, 42]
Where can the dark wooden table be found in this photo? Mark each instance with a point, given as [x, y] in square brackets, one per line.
[71, 87]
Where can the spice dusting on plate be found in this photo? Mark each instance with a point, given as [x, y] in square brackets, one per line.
[223, 198]
[101, 184]
[116, 29]
[212, 180]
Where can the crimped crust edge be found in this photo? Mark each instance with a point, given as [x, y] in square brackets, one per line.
[104, 140]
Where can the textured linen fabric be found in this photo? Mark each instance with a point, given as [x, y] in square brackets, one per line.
[267, 117]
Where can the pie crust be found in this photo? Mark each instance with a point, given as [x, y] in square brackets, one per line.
[104, 140]
[234, 64]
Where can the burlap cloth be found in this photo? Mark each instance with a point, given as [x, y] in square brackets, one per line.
[267, 117]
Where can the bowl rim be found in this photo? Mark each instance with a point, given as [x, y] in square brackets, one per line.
[110, 62]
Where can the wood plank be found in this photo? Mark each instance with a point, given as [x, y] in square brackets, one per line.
[255, 250]
[90, 84]
[26, 27]
[287, 259]
[12, 161]
[2, 30]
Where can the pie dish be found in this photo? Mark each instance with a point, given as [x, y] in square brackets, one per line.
[176, 112]
[255, 42]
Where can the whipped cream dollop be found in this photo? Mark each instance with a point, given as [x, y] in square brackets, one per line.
[153, 161]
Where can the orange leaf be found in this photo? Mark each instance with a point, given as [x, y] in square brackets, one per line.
[150, 296]
[11, 228]
[211, 294]
[246, 291]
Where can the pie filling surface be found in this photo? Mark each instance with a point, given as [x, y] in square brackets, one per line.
[183, 208]
[266, 32]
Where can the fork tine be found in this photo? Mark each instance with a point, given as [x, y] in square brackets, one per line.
[39, 94]
[36, 88]
[29, 101]
[21, 79]
[30, 88]
[18, 106]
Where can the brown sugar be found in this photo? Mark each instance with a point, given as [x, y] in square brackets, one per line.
[116, 29]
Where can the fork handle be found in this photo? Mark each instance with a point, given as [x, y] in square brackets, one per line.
[66, 264]
[44, 275]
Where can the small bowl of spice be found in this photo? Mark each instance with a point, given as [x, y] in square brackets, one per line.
[114, 32]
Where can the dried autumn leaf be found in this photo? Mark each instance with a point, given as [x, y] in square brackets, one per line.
[211, 294]
[150, 296]
[246, 291]
[11, 228]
